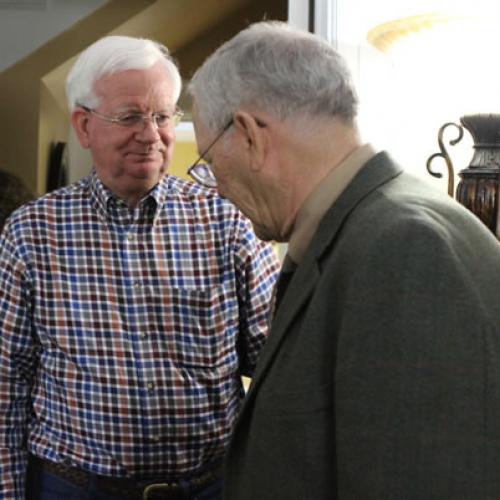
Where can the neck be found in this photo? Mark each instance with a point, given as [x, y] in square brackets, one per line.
[325, 146]
[297, 155]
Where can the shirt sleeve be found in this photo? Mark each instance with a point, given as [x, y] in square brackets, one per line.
[257, 269]
[18, 360]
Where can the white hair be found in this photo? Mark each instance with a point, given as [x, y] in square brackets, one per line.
[273, 67]
[112, 54]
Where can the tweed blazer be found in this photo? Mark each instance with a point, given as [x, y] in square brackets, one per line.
[381, 375]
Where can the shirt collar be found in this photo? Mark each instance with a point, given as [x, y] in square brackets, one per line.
[106, 202]
[321, 199]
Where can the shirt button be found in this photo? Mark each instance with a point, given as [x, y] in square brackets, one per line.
[130, 236]
[143, 335]
[156, 438]
[137, 284]
[150, 386]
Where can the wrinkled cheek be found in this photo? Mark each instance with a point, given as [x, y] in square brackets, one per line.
[167, 156]
[168, 139]
[168, 147]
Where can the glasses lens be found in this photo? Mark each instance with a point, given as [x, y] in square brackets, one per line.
[131, 120]
[203, 174]
[161, 119]
[164, 120]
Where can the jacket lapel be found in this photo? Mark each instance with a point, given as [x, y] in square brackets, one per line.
[379, 170]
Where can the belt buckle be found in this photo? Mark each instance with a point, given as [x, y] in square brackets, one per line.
[156, 488]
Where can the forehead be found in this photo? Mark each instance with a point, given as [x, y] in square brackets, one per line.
[141, 87]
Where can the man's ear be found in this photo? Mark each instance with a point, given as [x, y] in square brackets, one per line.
[254, 135]
[79, 120]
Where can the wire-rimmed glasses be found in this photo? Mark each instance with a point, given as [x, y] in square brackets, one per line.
[160, 119]
[201, 172]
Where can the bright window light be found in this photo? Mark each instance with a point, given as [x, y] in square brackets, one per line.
[426, 73]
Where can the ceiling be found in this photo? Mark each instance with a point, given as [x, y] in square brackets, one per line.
[26, 25]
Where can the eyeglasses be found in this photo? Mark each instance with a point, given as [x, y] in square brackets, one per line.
[202, 172]
[131, 120]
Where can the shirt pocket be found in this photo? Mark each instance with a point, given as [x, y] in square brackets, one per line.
[197, 321]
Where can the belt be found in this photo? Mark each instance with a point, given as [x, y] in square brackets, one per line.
[129, 488]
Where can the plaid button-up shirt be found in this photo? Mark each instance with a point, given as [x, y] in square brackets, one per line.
[123, 333]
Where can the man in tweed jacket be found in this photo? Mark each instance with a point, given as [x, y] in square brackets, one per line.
[381, 375]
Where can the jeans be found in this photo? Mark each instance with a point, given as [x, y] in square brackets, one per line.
[41, 485]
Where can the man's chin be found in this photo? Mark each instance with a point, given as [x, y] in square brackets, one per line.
[261, 232]
[147, 168]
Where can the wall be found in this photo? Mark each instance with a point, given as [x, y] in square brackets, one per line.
[185, 154]
[26, 25]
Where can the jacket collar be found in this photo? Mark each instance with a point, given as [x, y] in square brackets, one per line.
[377, 171]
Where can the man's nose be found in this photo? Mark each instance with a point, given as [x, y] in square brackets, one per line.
[148, 128]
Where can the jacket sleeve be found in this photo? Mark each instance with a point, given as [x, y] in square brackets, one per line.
[417, 381]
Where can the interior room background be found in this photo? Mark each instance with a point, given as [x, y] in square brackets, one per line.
[417, 65]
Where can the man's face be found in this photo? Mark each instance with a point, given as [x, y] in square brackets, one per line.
[230, 162]
[129, 160]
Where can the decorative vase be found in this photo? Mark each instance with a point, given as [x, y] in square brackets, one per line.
[479, 181]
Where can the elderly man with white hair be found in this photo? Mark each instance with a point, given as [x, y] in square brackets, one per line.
[131, 303]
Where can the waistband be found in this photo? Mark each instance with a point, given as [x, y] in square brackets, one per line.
[129, 488]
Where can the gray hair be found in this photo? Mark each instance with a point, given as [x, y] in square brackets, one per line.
[110, 55]
[273, 67]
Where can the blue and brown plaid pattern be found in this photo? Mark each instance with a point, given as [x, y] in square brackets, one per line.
[124, 332]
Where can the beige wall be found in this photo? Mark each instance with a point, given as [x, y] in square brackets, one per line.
[185, 154]
[52, 128]
[19, 111]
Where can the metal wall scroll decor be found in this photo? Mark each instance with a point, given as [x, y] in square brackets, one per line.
[478, 188]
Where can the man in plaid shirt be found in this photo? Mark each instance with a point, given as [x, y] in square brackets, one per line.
[131, 303]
